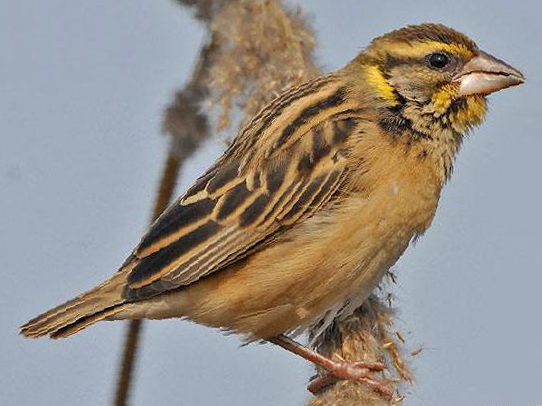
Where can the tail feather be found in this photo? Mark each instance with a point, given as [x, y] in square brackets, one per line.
[80, 312]
[84, 322]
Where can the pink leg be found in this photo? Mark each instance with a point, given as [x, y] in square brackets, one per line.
[354, 371]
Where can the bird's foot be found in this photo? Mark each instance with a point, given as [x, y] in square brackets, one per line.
[353, 371]
[336, 370]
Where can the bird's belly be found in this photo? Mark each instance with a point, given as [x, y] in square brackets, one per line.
[312, 269]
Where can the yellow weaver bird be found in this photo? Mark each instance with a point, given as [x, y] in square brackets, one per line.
[313, 202]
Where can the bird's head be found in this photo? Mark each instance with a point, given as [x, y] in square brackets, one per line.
[435, 70]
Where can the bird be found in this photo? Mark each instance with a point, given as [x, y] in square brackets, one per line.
[312, 202]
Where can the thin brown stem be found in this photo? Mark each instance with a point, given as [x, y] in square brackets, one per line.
[187, 127]
[129, 356]
[128, 359]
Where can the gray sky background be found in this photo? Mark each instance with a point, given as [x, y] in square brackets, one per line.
[82, 89]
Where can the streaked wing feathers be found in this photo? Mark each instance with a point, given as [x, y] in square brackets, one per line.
[236, 207]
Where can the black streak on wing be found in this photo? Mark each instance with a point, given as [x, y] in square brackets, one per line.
[306, 198]
[201, 182]
[254, 210]
[275, 178]
[328, 187]
[305, 165]
[278, 203]
[287, 101]
[233, 200]
[223, 177]
[342, 130]
[144, 292]
[175, 218]
[256, 181]
[155, 262]
[320, 147]
[311, 111]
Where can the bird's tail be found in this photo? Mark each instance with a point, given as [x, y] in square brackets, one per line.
[97, 304]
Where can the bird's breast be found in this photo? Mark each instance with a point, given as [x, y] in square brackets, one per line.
[339, 254]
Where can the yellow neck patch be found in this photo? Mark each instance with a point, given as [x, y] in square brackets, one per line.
[471, 115]
[375, 77]
[443, 98]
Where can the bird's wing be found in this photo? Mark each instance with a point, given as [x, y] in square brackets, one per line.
[245, 200]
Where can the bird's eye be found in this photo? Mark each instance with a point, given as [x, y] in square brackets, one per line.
[438, 60]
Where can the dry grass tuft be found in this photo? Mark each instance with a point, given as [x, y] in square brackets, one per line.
[203, 9]
[185, 123]
[264, 48]
[363, 336]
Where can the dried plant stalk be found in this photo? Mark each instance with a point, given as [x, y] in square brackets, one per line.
[204, 9]
[264, 48]
[363, 336]
[188, 128]
[133, 331]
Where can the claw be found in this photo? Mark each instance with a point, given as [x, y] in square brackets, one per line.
[353, 371]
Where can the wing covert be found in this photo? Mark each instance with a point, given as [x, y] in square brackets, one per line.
[234, 208]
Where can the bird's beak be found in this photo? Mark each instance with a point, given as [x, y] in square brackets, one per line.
[485, 74]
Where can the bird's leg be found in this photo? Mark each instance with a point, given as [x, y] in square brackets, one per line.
[354, 371]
